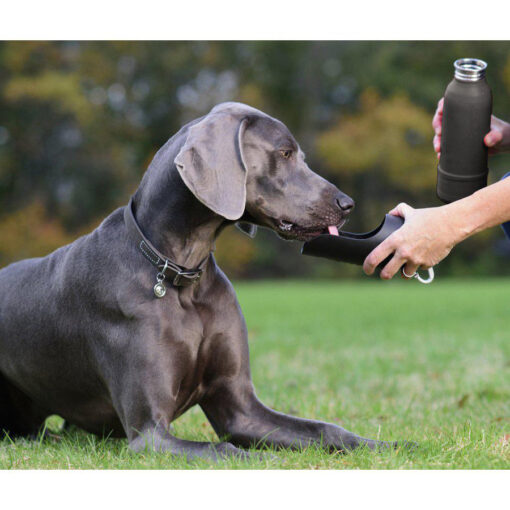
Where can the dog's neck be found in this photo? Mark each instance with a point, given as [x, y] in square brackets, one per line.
[173, 220]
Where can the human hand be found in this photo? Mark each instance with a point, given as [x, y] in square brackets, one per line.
[426, 238]
[497, 139]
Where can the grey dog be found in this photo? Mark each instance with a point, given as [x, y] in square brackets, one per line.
[126, 328]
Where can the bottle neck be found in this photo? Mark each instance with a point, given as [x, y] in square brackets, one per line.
[470, 69]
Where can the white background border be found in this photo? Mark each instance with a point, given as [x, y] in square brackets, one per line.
[246, 490]
[254, 19]
[261, 19]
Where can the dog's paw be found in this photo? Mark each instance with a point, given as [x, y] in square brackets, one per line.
[227, 451]
[408, 446]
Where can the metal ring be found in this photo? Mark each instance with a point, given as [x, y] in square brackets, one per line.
[416, 275]
[161, 274]
[408, 275]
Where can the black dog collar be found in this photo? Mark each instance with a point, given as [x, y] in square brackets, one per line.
[180, 276]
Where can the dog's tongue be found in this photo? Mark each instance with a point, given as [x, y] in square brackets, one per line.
[333, 231]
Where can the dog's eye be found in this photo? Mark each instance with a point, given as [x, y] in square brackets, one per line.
[286, 153]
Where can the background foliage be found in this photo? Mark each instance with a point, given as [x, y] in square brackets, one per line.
[80, 121]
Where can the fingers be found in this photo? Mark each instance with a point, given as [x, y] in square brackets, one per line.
[438, 117]
[393, 266]
[436, 142]
[493, 138]
[401, 210]
[377, 255]
[437, 123]
[389, 246]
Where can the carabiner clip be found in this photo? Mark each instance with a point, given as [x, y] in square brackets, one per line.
[416, 275]
[430, 279]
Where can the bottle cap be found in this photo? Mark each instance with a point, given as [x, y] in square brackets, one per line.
[469, 69]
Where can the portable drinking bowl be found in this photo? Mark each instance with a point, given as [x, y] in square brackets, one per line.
[354, 248]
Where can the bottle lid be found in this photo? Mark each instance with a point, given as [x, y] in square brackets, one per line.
[469, 69]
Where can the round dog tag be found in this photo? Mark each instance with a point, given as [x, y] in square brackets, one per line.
[159, 290]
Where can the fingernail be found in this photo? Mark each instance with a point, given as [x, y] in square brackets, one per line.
[489, 141]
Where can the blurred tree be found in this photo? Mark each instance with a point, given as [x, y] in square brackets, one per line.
[391, 135]
[30, 233]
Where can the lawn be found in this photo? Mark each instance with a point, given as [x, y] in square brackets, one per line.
[389, 360]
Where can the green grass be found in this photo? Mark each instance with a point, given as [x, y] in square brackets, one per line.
[395, 360]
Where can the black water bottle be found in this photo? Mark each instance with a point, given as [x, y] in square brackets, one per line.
[462, 168]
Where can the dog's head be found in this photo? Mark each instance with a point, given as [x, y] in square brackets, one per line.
[245, 165]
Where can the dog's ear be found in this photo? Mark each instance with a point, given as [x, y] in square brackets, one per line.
[247, 228]
[211, 163]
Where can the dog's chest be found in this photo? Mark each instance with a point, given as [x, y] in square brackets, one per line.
[196, 350]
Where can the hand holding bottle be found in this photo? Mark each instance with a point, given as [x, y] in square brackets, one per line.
[497, 140]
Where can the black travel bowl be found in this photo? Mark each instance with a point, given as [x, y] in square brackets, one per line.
[350, 247]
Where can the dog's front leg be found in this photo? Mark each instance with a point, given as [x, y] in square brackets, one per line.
[236, 413]
[156, 438]
[146, 408]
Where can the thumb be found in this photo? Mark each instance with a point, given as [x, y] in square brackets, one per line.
[401, 210]
[493, 138]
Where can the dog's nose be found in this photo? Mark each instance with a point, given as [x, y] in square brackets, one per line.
[344, 202]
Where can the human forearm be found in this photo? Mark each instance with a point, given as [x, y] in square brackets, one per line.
[428, 235]
[486, 208]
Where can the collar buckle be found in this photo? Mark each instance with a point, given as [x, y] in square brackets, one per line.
[185, 278]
